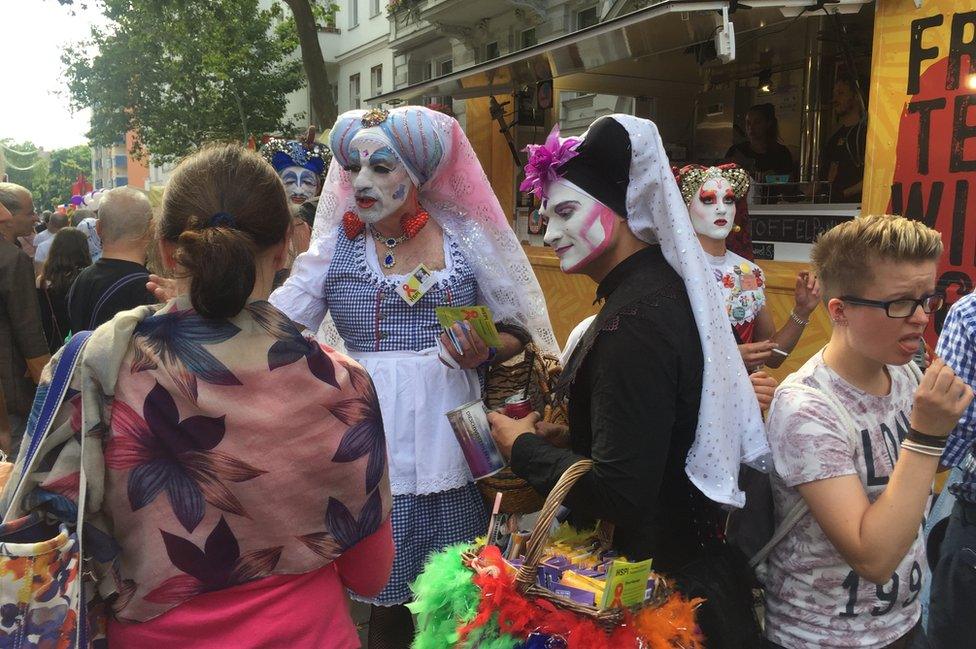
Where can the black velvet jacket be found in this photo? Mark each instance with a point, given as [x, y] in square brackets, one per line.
[634, 386]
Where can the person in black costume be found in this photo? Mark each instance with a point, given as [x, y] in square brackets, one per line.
[657, 398]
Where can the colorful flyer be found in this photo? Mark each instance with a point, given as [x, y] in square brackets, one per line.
[626, 584]
[479, 317]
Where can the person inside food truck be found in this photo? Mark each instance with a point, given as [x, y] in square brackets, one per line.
[842, 157]
[652, 401]
[762, 154]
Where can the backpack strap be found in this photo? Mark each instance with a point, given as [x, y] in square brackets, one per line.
[801, 508]
[112, 290]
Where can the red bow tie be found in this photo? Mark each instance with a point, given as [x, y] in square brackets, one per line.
[352, 225]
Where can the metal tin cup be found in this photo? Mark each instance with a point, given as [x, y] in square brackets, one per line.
[470, 424]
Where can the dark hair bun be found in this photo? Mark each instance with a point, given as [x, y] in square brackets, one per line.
[219, 254]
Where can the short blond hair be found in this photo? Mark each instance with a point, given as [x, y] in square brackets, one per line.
[843, 257]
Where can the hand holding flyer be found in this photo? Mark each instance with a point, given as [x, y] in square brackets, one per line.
[478, 317]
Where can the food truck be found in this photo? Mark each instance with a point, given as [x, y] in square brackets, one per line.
[697, 67]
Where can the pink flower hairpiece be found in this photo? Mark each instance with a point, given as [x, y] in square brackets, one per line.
[544, 161]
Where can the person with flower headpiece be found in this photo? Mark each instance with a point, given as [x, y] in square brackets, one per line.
[301, 165]
[653, 401]
[406, 197]
[712, 194]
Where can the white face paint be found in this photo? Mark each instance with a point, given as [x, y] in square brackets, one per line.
[712, 209]
[379, 179]
[301, 184]
[580, 227]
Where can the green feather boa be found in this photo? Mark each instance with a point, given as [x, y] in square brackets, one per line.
[445, 598]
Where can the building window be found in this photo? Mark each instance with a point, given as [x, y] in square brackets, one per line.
[529, 38]
[374, 8]
[446, 67]
[491, 51]
[354, 91]
[353, 13]
[121, 181]
[586, 18]
[427, 70]
[121, 161]
[98, 184]
[376, 80]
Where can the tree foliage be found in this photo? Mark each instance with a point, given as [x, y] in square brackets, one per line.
[178, 73]
[50, 176]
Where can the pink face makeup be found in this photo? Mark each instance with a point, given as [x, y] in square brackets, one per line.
[580, 227]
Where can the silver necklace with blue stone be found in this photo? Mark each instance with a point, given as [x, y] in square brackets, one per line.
[389, 260]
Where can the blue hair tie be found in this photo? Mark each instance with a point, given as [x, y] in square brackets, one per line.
[223, 220]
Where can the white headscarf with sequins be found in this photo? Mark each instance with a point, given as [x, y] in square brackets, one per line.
[730, 426]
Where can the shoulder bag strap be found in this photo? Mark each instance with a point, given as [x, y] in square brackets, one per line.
[57, 390]
[82, 631]
[54, 317]
[798, 510]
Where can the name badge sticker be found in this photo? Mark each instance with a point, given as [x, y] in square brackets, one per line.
[416, 284]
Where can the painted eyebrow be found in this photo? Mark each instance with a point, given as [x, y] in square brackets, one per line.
[707, 193]
[562, 204]
[290, 174]
[729, 193]
[384, 156]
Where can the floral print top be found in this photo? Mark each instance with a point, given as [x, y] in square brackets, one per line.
[741, 283]
[231, 450]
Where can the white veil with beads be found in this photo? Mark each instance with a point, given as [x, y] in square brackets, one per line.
[730, 426]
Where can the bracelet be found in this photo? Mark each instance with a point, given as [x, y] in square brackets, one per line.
[921, 448]
[798, 320]
[926, 440]
[492, 352]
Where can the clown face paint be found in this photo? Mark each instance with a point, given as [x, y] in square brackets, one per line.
[712, 209]
[301, 184]
[580, 227]
[379, 179]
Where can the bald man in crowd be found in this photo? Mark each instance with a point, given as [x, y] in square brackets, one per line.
[23, 347]
[117, 281]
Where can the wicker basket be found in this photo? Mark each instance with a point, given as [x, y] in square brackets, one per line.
[535, 375]
[525, 579]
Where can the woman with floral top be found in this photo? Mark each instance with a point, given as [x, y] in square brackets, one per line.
[241, 483]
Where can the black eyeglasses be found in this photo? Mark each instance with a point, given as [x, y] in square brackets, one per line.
[902, 308]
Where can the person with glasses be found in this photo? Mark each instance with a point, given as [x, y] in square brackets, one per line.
[856, 435]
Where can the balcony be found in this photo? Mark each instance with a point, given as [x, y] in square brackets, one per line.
[579, 112]
[417, 22]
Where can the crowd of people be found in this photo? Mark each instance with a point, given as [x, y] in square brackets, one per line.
[249, 475]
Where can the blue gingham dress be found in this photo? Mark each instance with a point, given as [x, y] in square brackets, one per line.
[435, 503]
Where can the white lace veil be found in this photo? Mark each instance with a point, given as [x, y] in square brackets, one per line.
[730, 426]
[456, 193]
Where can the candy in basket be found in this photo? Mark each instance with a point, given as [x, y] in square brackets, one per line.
[572, 592]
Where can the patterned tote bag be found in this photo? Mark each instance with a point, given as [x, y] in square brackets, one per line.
[40, 558]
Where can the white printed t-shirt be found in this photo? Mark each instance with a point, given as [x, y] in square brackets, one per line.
[814, 598]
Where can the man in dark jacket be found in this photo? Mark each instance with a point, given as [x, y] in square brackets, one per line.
[117, 281]
[23, 347]
[656, 396]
